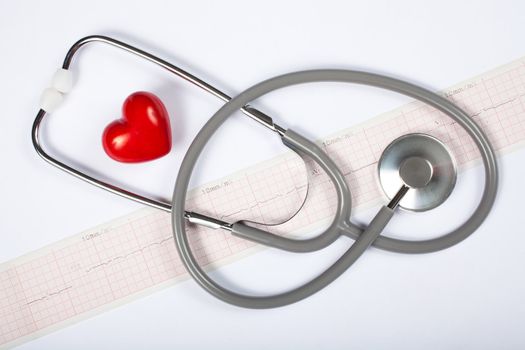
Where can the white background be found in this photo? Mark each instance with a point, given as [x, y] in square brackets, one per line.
[468, 296]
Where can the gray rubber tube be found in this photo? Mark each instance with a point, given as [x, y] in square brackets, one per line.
[304, 147]
[364, 237]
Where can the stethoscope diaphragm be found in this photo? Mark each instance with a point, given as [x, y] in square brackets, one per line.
[421, 162]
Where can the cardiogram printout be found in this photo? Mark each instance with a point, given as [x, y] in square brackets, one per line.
[135, 255]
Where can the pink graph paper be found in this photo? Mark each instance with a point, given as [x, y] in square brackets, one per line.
[124, 259]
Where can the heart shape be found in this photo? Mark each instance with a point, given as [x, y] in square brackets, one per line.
[143, 133]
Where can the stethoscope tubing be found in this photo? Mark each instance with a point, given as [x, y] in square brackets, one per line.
[341, 224]
[363, 238]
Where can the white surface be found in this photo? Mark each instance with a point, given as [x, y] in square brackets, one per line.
[470, 295]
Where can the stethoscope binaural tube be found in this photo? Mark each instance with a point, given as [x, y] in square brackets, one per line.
[57, 96]
[364, 238]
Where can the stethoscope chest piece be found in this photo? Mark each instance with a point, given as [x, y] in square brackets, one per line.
[424, 164]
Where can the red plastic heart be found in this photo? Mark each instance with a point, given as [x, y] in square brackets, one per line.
[143, 133]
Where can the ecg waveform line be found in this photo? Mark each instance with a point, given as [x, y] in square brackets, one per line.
[496, 106]
[50, 294]
[295, 189]
[104, 263]
[103, 266]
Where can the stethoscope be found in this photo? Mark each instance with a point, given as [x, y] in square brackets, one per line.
[416, 172]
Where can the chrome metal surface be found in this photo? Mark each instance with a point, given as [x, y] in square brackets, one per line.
[421, 162]
[207, 221]
[251, 112]
[394, 202]
[416, 172]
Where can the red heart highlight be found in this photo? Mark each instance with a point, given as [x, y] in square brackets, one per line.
[143, 133]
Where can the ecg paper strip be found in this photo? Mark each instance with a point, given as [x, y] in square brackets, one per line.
[122, 260]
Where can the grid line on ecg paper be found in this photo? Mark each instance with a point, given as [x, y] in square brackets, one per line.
[111, 264]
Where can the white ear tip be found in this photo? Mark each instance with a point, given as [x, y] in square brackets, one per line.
[50, 99]
[63, 80]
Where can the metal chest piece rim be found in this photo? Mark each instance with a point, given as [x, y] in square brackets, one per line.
[423, 154]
